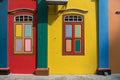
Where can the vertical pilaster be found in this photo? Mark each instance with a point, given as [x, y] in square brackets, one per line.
[4, 37]
[103, 56]
[42, 40]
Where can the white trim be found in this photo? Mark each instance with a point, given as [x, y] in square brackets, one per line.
[23, 18]
[73, 19]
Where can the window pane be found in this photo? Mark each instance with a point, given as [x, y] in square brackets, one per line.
[17, 19]
[77, 31]
[28, 43]
[77, 45]
[25, 17]
[18, 30]
[71, 17]
[68, 45]
[21, 18]
[28, 30]
[75, 17]
[30, 18]
[66, 19]
[79, 18]
[18, 45]
[68, 31]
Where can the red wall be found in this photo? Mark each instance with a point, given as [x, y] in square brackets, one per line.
[14, 4]
[21, 63]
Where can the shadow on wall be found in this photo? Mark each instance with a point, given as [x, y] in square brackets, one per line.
[53, 12]
[42, 13]
[93, 0]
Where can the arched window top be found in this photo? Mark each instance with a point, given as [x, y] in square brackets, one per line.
[73, 18]
[23, 18]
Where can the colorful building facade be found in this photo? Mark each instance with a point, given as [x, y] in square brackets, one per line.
[114, 23]
[55, 37]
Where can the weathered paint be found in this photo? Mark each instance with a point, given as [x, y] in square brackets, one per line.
[103, 34]
[21, 63]
[72, 64]
[42, 33]
[114, 37]
[3, 34]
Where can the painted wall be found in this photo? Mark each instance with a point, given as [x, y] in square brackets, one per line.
[42, 41]
[103, 35]
[114, 38]
[3, 34]
[13, 4]
[60, 64]
[21, 63]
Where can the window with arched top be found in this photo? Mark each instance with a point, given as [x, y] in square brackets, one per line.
[73, 18]
[73, 34]
[23, 34]
[23, 18]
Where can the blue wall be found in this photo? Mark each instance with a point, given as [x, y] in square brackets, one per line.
[103, 34]
[3, 34]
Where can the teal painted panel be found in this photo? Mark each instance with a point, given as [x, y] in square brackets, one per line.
[77, 45]
[28, 30]
[4, 34]
[42, 57]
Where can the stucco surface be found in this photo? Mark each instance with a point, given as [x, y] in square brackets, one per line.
[114, 38]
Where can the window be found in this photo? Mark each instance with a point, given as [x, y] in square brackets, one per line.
[23, 34]
[23, 18]
[73, 35]
[73, 18]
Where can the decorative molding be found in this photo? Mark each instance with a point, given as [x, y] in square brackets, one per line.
[73, 10]
[21, 10]
[56, 2]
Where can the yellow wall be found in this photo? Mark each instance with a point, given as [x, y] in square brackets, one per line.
[71, 64]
